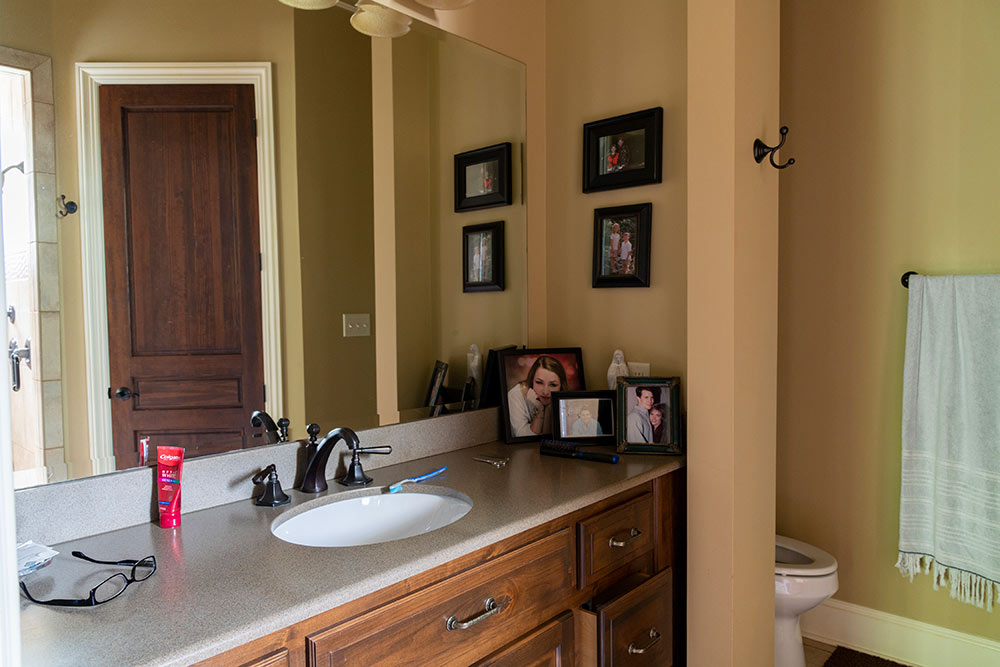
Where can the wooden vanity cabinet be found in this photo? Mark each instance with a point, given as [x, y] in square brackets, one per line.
[578, 590]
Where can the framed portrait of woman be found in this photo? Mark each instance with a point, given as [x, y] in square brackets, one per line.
[530, 378]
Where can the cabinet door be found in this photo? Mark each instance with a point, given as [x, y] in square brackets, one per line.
[636, 628]
[278, 658]
[551, 645]
[461, 619]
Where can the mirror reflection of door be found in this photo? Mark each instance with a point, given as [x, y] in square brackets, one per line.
[182, 250]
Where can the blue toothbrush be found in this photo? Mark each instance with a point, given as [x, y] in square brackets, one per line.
[399, 485]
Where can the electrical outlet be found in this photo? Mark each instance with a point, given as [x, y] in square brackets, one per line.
[358, 324]
[638, 369]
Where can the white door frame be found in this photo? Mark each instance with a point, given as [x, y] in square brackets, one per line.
[89, 78]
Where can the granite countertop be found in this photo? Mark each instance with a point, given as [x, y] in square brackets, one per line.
[223, 579]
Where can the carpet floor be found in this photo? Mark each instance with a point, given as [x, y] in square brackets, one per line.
[845, 657]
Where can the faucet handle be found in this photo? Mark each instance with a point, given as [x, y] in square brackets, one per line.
[355, 474]
[273, 496]
[386, 449]
[283, 423]
[313, 431]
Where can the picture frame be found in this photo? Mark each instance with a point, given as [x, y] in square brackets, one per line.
[433, 395]
[483, 257]
[489, 394]
[638, 430]
[585, 417]
[529, 378]
[622, 245]
[623, 151]
[483, 178]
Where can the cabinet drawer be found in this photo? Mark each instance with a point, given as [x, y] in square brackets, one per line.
[612, 538]
[528, 585]
[549, 646]
[636, 627]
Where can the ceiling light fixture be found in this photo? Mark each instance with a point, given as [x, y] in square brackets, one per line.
[367, 17]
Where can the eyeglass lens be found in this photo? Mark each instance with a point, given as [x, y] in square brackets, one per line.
[110, 588]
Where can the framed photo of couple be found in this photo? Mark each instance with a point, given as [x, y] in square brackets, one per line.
[623, 151]
[621, 245]
[531, 378]
[649, 415]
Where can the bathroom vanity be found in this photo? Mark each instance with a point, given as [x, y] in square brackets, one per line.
[558, 562]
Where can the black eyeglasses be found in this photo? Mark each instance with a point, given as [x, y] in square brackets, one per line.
[108, 589]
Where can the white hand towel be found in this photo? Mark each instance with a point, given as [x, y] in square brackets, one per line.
[949, 515]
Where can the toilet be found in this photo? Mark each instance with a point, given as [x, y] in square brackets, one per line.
[804, 576]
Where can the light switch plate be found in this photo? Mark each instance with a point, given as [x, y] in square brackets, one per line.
[357, 324]
[638, 369]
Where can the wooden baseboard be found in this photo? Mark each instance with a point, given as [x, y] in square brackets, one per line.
[895, 637]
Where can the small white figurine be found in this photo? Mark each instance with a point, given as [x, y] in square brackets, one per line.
[474, 362]
[617, 368]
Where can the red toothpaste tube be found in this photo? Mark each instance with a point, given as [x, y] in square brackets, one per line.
[169, 462]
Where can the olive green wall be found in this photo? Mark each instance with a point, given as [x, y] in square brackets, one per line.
[892, 107]
[333, 118]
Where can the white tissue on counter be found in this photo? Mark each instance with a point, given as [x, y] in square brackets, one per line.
[31, 556]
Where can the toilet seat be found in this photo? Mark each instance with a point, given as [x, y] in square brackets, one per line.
[800, 559]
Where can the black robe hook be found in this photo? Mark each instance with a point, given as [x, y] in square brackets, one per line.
[760, 150]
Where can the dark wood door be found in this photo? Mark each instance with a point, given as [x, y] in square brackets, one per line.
[182, 256]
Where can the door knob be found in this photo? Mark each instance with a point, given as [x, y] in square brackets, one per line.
[123, 393]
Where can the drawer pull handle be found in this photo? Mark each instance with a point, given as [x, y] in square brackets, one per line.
[654, 635]
[493, 607]
[632, 535]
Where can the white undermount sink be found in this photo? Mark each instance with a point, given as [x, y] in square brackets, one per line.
[371, 519]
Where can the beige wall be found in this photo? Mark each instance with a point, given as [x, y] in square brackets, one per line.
[602, 64]
[333, 115]
[892, 107]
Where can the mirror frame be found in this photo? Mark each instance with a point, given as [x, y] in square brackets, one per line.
[89, 78]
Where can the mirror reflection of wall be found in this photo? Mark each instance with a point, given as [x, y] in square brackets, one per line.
[325, 171]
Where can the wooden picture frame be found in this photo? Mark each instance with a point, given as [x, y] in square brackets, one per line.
[530, 377]
[618, 229]
[585, 417]
[483, 178]
[638, 431]
[623, 151]
[483, 257]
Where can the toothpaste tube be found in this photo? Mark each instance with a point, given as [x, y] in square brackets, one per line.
[169, 462]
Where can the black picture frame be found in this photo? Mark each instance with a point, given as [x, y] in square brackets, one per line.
[570, 423]
[665, 397]
[610, 269]
[483, 257]
[640, 134]
[489, 394]
[433, 396]
[518, 368]
[483, 178]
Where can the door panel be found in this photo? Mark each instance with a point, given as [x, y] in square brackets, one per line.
[181, 245]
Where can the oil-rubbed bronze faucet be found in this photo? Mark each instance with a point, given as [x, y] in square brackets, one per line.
[314, 481]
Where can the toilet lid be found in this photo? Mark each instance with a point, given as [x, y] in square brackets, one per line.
[795, 558]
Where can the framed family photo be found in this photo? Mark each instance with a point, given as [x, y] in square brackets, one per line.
[623, 151]
[530, 378]
[649, 416]
[587, 417]
[482, 257]
[621, 246]
[483, 178]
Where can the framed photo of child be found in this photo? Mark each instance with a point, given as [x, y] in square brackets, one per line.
[483, 178]
[649, 415]
[621, 245]
[483, 257]
[587, 417]
[530, 378]
[623, 151]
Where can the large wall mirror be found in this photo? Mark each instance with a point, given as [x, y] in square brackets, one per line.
[364, 134]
